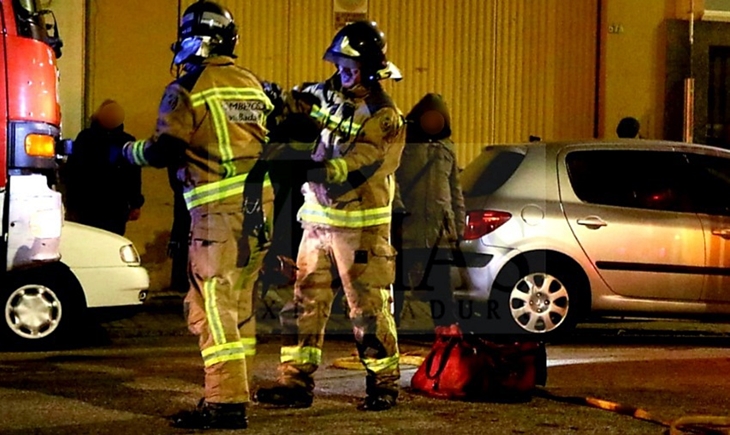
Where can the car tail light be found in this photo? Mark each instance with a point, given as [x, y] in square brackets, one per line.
[482, 222]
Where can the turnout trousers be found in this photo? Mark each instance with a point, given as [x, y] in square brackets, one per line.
[220, 304]
[361, 262]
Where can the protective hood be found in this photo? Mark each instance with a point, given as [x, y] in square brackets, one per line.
[414, 132]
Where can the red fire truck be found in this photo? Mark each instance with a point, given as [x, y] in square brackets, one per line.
[31, 212]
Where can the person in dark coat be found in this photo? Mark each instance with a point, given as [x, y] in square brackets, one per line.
[429, 209]
[98, 193]
[628, 128]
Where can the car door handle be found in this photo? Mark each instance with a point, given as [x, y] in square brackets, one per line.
[722, 232]
[592, 222]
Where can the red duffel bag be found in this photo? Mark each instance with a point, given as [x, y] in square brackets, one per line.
[468, 367]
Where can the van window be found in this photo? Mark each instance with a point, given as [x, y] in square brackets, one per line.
[490, 170]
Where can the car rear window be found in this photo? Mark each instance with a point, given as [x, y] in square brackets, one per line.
[654, 180]
[490, 170]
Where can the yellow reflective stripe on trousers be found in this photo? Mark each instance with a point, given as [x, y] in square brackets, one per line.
[218, 190]
[212, 314]
[317, 214]
[389, 363]
[249, 345]
[138, 153]
[222, 353]
[229, 351]
[301, 355]
[381, 365]
[387, 314]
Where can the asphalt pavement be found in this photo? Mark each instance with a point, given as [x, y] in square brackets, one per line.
[139, 370]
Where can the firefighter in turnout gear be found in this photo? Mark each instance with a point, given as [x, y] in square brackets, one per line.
[211, 126]
[346, 219]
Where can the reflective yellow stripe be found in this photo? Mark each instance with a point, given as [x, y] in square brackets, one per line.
[212, 313]
[220, 124]
[214, 98]
[389, 363]
[317, 214]
[218, 190]
[339, 167]
[138, 153]
[200, 98]
[334, 123]
[380, 365]
[387, 314]
[249, 345]
[301, 355]
[227, 352]
[301, 146]
[391, 188]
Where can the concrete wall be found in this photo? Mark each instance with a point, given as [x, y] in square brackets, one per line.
[508, 68]
[70, 15]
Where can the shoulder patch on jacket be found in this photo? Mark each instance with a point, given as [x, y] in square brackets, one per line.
[389, 122]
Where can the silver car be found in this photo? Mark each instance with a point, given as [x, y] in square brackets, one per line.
[558, 231]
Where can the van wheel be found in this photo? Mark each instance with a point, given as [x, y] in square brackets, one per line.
[42, 308]
[538, 301]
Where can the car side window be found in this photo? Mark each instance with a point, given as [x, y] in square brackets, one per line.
[652, 180]
[710, 184]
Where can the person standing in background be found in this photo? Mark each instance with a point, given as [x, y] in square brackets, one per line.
[431, 209]
[628, 128]
[99, 193]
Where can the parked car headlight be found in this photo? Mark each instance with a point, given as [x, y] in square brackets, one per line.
[129, 255]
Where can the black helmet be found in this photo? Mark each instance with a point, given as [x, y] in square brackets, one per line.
[206, 29]
[364, 43]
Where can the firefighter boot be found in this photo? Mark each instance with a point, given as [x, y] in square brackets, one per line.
[283, 396]
[378, 402]
[212, 416]
[381, 393]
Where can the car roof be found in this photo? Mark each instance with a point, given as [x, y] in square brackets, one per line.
[628, 144]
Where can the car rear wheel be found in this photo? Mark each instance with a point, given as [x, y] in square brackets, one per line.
[538, 300]
[42, 308]
[539, 303]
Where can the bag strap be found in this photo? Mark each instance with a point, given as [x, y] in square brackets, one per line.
[442, 362]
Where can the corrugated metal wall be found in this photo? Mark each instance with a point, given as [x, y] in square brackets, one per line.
[508, 68]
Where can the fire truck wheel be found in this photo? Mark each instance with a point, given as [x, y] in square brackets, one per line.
[42, 308]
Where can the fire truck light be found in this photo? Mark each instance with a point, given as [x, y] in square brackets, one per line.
[40, 145]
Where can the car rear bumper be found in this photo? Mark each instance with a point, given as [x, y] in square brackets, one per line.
[113, 286]
[475, 281]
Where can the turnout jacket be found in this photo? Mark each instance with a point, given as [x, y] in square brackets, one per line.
[361, 141]
[211, 126]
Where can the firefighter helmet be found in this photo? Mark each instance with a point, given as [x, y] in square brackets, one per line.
[362, 45]
[206, 29]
